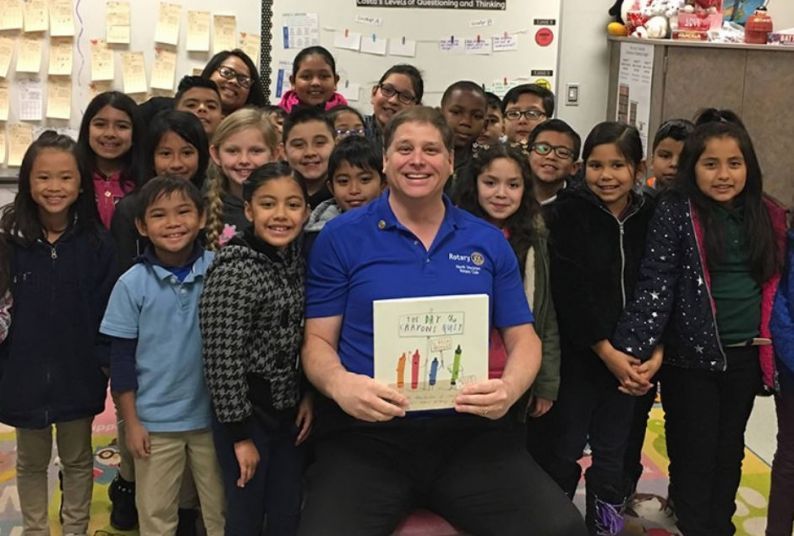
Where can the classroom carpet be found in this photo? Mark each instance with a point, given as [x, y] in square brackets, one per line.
[652, 520]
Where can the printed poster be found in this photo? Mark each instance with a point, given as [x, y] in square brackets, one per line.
[300, 30]
[635, 76]
[429, 348]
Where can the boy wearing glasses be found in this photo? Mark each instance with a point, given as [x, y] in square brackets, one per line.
[524, 107]
[553, 158]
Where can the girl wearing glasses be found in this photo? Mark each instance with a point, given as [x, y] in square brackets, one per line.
[313, 81]
[400, 87]
[347, 122]
[237, 78]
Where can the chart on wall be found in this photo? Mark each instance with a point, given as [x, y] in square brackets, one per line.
[634, 87]
[496, 43]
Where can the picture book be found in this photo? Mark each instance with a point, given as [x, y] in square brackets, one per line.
[429, 348]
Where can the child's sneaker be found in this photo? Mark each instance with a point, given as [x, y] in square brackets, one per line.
[123, 514]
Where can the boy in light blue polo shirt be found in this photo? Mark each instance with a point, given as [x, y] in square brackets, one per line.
[157, 373]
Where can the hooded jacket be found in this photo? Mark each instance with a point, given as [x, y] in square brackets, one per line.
[251, 317]
[290, 100]
[673, 298]
[595, 261]
[50, 364]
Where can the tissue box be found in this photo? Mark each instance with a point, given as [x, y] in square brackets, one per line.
[782, 38]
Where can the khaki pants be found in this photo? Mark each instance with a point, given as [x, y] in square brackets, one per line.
[34, 452]
[188, 498]
[158, 480]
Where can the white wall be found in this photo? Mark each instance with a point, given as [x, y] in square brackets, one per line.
[6, 194]
[584, 60]
[782, 13]
[428, 27]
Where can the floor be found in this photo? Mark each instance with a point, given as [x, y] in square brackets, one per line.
[751, 502]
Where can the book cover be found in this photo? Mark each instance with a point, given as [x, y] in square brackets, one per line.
[429, 348]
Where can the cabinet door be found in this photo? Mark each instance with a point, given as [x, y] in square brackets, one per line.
[699, 78]
[769, 116]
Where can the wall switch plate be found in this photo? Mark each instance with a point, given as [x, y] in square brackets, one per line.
[572, 94]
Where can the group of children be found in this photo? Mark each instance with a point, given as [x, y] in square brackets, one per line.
[212, 207]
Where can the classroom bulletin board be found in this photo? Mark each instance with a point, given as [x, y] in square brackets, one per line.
[55, 55]
[497, 43]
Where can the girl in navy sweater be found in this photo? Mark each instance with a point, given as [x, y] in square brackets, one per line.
[62, 268]
[597, 240]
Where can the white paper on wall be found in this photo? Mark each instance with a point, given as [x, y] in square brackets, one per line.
[372, 44]
[402, 47]
[347, 40]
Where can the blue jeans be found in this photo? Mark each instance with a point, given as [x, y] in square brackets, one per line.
[275, 488]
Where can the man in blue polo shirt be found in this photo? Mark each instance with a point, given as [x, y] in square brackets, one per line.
[374, 465]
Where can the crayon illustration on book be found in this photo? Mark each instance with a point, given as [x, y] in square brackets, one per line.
[429, 348]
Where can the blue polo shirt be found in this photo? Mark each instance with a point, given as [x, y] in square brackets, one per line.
[366, 255]
[149, 303]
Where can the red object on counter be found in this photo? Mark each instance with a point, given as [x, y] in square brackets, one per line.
[758, 27]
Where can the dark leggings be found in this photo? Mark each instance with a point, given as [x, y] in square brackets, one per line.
[275, 488]
[706, 414]
[781, 496]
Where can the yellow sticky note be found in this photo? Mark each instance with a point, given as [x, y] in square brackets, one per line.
[164, 69]
[59, 98]
[4, 100]
[61, 18]
[101, 61]
[11, 15]
[167, 31]
[60, 56]
[251, 45]
[198, 31]
[6, 53]
[100, 87]
[133, 72]
[117, 23]
[224, 33]
[30, 50]
[35, 16]
[20, 136]
[2, 145]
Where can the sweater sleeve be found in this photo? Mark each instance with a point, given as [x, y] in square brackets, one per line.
[5, 315]
[571, 281]
[125, 235]
[645, 317]
[226, 314]
[782, 322]
[547, 382]
[123, 376]
[106, 276]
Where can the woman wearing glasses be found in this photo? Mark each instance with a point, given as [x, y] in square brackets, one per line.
[400, 87]
[237, 78]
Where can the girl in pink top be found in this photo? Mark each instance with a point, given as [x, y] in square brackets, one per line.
[313, 81]
[109, 143]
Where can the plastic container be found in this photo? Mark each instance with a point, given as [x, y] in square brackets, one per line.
[758, 27]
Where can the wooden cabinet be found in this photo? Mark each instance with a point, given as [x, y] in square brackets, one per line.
[757, 82]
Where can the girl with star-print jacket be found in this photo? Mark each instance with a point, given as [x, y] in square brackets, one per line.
[678, 295]
[706, 289]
